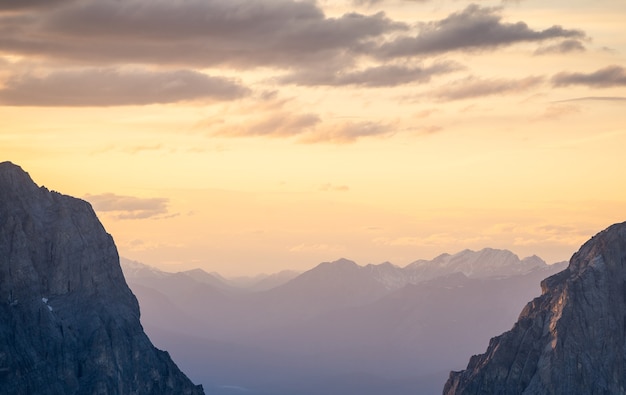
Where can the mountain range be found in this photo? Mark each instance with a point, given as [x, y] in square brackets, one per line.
[399, 330]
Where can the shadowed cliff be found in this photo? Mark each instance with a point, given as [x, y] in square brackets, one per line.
[570, 340]
[69, 324]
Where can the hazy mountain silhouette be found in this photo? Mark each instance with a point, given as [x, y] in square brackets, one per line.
[341, 328]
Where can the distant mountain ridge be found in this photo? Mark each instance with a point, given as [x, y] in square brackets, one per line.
[400, 330]
[142, 272]
[486, 262]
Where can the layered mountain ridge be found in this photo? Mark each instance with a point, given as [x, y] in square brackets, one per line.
[69, 324]
[339, 327]
[484, 263]
[569, 340]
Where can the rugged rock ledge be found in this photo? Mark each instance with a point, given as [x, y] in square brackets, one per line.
[69, 324]
[570, 340]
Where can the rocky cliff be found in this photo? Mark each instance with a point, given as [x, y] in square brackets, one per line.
[69, 324]
[570, 340]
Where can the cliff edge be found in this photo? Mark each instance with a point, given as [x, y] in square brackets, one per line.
[570, 340]
[69, 324]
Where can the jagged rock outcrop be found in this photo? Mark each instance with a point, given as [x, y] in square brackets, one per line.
[69, 324]
[570, 340]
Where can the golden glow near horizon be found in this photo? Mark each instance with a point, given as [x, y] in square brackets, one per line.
[289, 133]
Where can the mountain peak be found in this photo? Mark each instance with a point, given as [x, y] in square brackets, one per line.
[9, 166]
[570, 339]
[343, 262]
[13, 179]
[475, 264]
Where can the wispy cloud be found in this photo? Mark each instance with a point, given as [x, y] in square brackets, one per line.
[275, 117]
[130, 207]
[476, 87]
[275, 124]
[115, 87]
[564, 46]
[607, 77]
[347, 132]
[377, 76]
[595, 98]
[558, 111]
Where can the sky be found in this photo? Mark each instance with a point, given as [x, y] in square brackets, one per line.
[249, 136]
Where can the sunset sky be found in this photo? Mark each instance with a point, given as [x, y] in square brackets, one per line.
[247, 136]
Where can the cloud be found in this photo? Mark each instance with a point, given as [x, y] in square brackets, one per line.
[557, 111]
[275, 124]
[474, 28]
[564, 46]
[378, 76]
[604, 78]
[130, 207]
[366, 2]
[287, 34]
[594, 98]
[10, 5]
[306, 128]
[114, 87]
[476, 87]
[347, 132]
[238, 33]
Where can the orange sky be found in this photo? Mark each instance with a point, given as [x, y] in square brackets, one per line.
[247, 136]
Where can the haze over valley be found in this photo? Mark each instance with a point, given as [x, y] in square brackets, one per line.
[339, 327]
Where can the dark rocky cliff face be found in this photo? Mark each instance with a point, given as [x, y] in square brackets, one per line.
[69, 324]
[570, 340]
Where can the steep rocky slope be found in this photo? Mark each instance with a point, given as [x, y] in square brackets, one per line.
[69, 324]
[570, 340]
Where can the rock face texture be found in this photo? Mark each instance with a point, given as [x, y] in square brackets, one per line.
[69, 324]
[570, 340]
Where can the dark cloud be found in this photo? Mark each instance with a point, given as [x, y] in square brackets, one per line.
[9, 5]
[112, 87]
[295, 36]
[129, 207]
[564, 46]
[378, 76]
[607, 77]
[476, 87]
[194, 32]
[474, 28]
